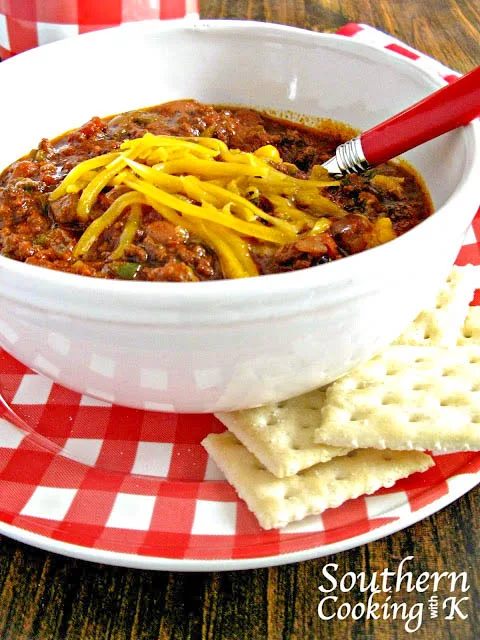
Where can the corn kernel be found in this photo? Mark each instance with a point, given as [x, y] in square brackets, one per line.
[321, 225]
[384, 230]
[269, 152]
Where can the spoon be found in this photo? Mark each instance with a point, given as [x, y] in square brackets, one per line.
[450, 107]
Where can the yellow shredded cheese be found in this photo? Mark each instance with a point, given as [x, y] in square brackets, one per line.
[98, 226]
[129, 231]
[200, 184]
[81, 169]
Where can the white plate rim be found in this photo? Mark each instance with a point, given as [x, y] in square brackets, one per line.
[465, 482]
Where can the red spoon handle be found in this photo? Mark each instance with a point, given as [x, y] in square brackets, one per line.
[454, 105]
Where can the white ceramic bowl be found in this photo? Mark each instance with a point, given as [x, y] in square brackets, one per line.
[197, 347]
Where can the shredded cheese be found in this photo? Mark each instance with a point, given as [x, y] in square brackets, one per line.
[129, 230]
[200, 184]
[98, 226]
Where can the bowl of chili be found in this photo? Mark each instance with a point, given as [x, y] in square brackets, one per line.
[179, 248]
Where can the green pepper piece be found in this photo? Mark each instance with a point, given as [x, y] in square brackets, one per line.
[127, 270]
[42, 239]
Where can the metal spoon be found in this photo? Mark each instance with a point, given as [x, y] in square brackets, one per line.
[452, 106]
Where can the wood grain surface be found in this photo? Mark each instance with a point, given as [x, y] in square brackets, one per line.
[44, 596]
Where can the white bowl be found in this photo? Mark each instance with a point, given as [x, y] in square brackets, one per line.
[224, 345]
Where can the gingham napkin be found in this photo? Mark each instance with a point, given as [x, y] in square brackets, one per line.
[85, 478]
[369, 35]
[25, 25]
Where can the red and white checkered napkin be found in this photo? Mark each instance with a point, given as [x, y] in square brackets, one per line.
[25, 25]
[83, 477]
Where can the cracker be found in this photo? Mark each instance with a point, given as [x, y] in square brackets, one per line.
[470, 333]
[281, 435]
[441, 324]
[425, 398]
[276, 502]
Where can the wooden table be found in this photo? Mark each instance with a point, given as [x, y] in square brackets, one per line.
[48, 597]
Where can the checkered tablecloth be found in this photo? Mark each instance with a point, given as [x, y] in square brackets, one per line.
[27, 24]
[87, 478]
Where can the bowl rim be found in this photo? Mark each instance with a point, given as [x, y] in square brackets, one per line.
[204, 294]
